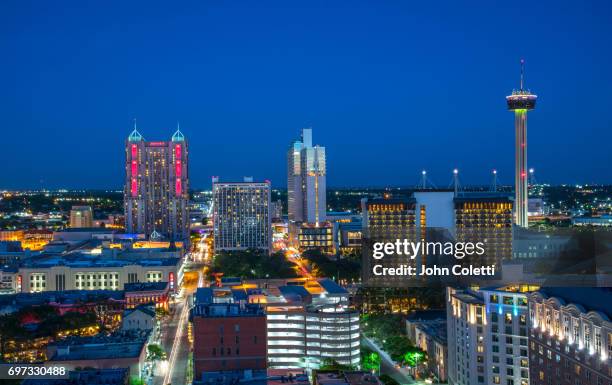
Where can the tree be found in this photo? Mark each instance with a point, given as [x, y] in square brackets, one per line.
[323, 266]
[370, 360]
[156, 352]
[397, 347]
[414, 356]
[253, 264]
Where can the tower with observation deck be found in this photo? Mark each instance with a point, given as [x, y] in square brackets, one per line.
[521, 101]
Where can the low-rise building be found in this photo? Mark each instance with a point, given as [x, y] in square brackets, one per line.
[83, 271]
[118, 376]
[603, 220]
[426, 329]
[338, 377]
[126, 349]
[141, 318]
[431, 338]
[147, 293]
[349, 236]
[318, 235]
[229, 341]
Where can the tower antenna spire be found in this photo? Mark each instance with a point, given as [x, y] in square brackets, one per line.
[134, 123]
[494, 186]
[522, 72]
[423, 179]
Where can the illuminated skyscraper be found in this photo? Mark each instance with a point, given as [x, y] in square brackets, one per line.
[306, 186]
[156, 187]
[520, 102]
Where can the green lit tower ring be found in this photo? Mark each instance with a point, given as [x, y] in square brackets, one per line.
[520, 102]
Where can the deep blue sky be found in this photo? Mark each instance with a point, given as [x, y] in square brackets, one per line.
[389, 87]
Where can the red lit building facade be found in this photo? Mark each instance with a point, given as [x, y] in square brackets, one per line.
[156, 186]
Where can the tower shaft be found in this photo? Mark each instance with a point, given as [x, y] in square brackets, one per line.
[521, 101]
[520, 168]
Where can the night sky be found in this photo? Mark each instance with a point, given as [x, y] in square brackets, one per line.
[389, 87]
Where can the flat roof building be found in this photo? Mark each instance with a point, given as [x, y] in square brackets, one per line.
[241, 215]
[229, 341]
[124, 349]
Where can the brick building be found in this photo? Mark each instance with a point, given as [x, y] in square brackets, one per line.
[229, 341]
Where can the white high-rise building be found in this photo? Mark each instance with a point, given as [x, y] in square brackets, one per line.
[306, 187]
[241, 215]
[487, 336]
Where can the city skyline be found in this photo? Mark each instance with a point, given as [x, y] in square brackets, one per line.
[306, 193]
[355, 80]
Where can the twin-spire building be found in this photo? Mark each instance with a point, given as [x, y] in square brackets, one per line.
[156, 186]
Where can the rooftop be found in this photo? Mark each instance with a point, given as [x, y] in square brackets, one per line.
[468, 297]
[62, 297]
[590, 298]
[348, 378]
[331, 287]
[211, 310]
[87, 377]
[427, 315]
[435, 329]
[148, 310]
[145, 286]
[472, 196]
[123, 344]
[80, 259]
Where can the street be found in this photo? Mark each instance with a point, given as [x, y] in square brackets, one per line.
[387, 366]
[175, 339]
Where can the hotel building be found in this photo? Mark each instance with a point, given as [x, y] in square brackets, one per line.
[156, 190]
[386, 220]
[436, 216]
[241, 215]
[570, 336]
[487, 336]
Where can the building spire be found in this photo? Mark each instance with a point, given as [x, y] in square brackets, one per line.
[522, 72]
[135, 135]
[178, 135]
